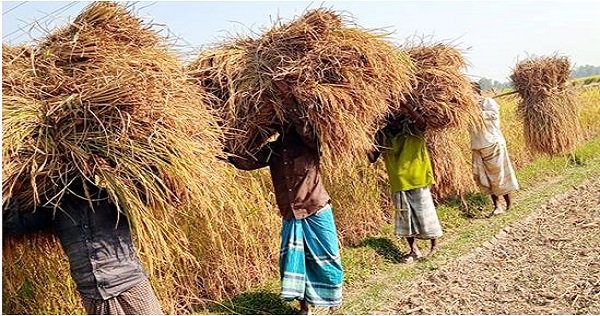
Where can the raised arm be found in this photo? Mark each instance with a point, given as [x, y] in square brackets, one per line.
[252, 162]
[306, 132]
[490, 110]
[17, 223]
[417, 119]
[375, 153]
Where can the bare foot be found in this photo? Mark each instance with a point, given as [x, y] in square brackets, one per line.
[412, 257]
[431, 252]
[498, 210]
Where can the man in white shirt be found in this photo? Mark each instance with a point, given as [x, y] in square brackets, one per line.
[492, 168]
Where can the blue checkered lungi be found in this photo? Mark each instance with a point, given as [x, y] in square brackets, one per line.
[310, 263]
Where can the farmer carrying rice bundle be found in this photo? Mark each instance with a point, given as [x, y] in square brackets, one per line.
[443, 98]
[104, 136]
[492, 168]
[299, 97]
[548, 105]
[402, 143]
[310, 262]
[109, 275]
[341, 76]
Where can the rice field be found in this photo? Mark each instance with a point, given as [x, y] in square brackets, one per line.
[591, 80]
[236, 248]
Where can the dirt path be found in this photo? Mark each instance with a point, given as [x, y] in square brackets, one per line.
[547, 263]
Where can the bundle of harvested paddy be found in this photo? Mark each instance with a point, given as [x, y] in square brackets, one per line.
[17, 72]
[443, 96]
[96, 106]
[108, 104]
[451, 169]
[340, 75]
[548, 105]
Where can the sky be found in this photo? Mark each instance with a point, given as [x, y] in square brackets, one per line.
[494, 35]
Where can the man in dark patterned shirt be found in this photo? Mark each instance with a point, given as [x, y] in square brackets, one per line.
[97, 240]
[310, 263]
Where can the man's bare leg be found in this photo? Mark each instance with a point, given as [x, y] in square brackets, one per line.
[304, 309]
[414, 250]
[495, 201]
[433, 248]
[508, 200]
[465, 205]
[497, 208]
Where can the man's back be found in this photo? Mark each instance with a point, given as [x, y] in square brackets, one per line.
[95, 237]
[296, 175]
[295, 171]
[491, 133]
[407, 162]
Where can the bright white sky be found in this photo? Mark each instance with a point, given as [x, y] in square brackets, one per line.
[496, 34]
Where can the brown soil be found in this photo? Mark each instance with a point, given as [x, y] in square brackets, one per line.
[547, 264]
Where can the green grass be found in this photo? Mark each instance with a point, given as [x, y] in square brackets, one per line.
[262, 301]
[373, 269]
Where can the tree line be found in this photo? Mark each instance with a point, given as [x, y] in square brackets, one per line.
[577, 72]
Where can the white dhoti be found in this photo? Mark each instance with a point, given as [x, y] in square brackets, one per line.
[493, 170]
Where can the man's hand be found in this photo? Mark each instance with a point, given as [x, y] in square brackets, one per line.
[373, 155]
[416, 117]
[287, 94]
[283, 86]
[221, 158]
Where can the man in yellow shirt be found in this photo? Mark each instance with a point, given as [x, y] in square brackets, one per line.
[410, 175]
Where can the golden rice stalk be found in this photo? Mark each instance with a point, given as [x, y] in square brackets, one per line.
[121, 116]
[341, 75]
[79, 42]
[17, 72]
[548, 105]
[451, 169]
[443, 95]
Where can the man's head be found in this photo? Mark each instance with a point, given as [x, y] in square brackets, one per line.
[476, 87]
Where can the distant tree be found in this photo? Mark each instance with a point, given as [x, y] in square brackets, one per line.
[485, 83]
[489, 84]
[585, 71]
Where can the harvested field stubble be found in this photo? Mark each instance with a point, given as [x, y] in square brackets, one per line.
[546, 264]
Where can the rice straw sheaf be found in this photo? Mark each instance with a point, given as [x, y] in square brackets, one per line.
[108, 104]
[443, 95]
[452, 171]
[548, 105]
[17, 72]
[341, 76]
